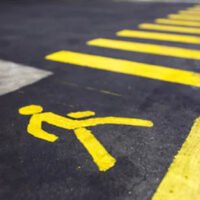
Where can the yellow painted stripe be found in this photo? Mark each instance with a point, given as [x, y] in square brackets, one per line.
[170, 28]
[146, 48]
[185, 17]
[159, 36]
[194, 6]
[177, 22]
[127, 67]
[182, 180]
[189, 12]
[193, 9]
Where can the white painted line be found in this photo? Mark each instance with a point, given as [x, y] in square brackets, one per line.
[14, 76]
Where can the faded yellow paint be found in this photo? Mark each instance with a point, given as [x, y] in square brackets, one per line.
[184, 17]
[78, 115]
[159, 36]
[127, 67]
[167, 28]
[146, 48]
[100, 155]
[177, 22]
[182, 179]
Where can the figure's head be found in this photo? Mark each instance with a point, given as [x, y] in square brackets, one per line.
[30, 110]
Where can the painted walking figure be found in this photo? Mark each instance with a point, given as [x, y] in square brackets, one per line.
[78, 122]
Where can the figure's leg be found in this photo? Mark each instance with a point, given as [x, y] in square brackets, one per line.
[100, 156]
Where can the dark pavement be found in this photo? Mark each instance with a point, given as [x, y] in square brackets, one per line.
[33, 169]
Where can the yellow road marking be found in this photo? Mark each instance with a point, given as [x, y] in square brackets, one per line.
[159, 36]
[169, 28]
[185, 17]
[195, 6]
[182, 179]
[127, 67]
[177, 22]
[100, 156]
[189, 12]
[194, 9]
[146, 48]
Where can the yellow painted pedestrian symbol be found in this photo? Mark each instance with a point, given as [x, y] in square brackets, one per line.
[78, 122]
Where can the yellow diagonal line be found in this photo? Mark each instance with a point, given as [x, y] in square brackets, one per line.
[185, 17]
[177, 22]
[189, 12]
[159, 36]
[194, 9]
[169, 28]
[146, 48]
[182, 179]
[127, 67]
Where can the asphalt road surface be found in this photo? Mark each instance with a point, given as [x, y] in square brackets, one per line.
[107, 159]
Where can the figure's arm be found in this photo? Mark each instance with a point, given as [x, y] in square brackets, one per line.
[115, 120]
[35, 128]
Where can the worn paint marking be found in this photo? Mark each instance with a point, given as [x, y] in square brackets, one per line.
[107, 92]
[182, 179]
[167, 28]
[127, 67]
[100, 155]
[177, 22]
[159, 36]
[146, 48]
